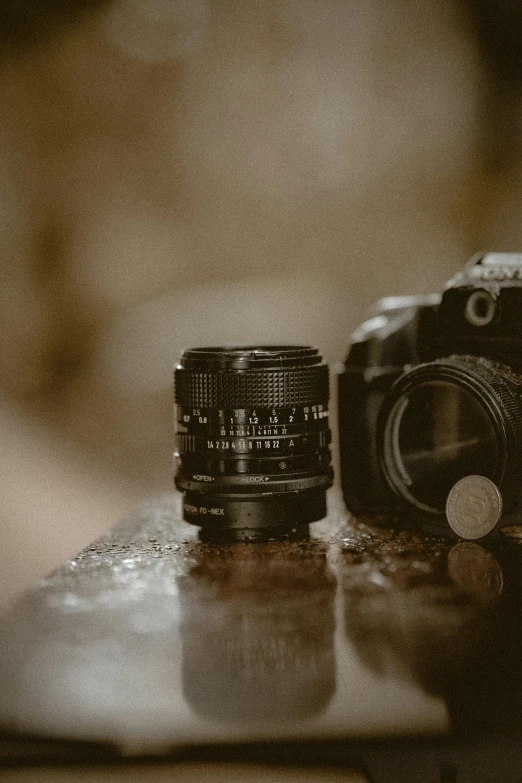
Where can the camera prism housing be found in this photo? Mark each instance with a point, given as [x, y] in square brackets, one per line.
[432, 392]
[253, 442]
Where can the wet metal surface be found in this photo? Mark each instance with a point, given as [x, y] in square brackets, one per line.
[151, 640]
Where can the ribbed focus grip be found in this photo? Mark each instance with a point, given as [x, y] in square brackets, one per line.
[264, 388]
[499, 381]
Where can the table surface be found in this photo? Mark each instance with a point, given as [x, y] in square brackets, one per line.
[365, 636]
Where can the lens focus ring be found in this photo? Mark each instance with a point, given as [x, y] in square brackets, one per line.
[265, 388]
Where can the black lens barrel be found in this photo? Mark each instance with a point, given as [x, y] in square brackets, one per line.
[253, 456]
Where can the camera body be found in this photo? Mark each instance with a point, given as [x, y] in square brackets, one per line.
[432, 391]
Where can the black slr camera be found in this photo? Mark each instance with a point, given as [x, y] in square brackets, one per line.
[432, 392]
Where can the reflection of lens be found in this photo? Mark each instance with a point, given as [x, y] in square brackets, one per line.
[253, 440]
[257, 631]
[443, 421]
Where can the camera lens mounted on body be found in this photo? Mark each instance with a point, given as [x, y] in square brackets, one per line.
[448, 419]
[431, 395]
[253, 441]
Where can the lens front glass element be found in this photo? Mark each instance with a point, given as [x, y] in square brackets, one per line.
[437, 433]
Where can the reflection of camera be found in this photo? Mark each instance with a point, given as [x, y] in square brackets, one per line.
[432, 392]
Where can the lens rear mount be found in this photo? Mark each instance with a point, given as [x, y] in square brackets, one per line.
[255, 517]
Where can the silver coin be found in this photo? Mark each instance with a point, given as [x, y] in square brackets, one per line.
[474, 507]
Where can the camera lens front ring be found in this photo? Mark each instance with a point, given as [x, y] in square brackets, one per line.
[445, 420]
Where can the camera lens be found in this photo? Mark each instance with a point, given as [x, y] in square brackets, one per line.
[446, 420]
[253, 442]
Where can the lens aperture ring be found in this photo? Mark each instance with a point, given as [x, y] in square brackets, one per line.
[266, 463]
[309, 442]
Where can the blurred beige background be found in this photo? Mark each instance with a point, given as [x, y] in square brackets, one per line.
[184, 172]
